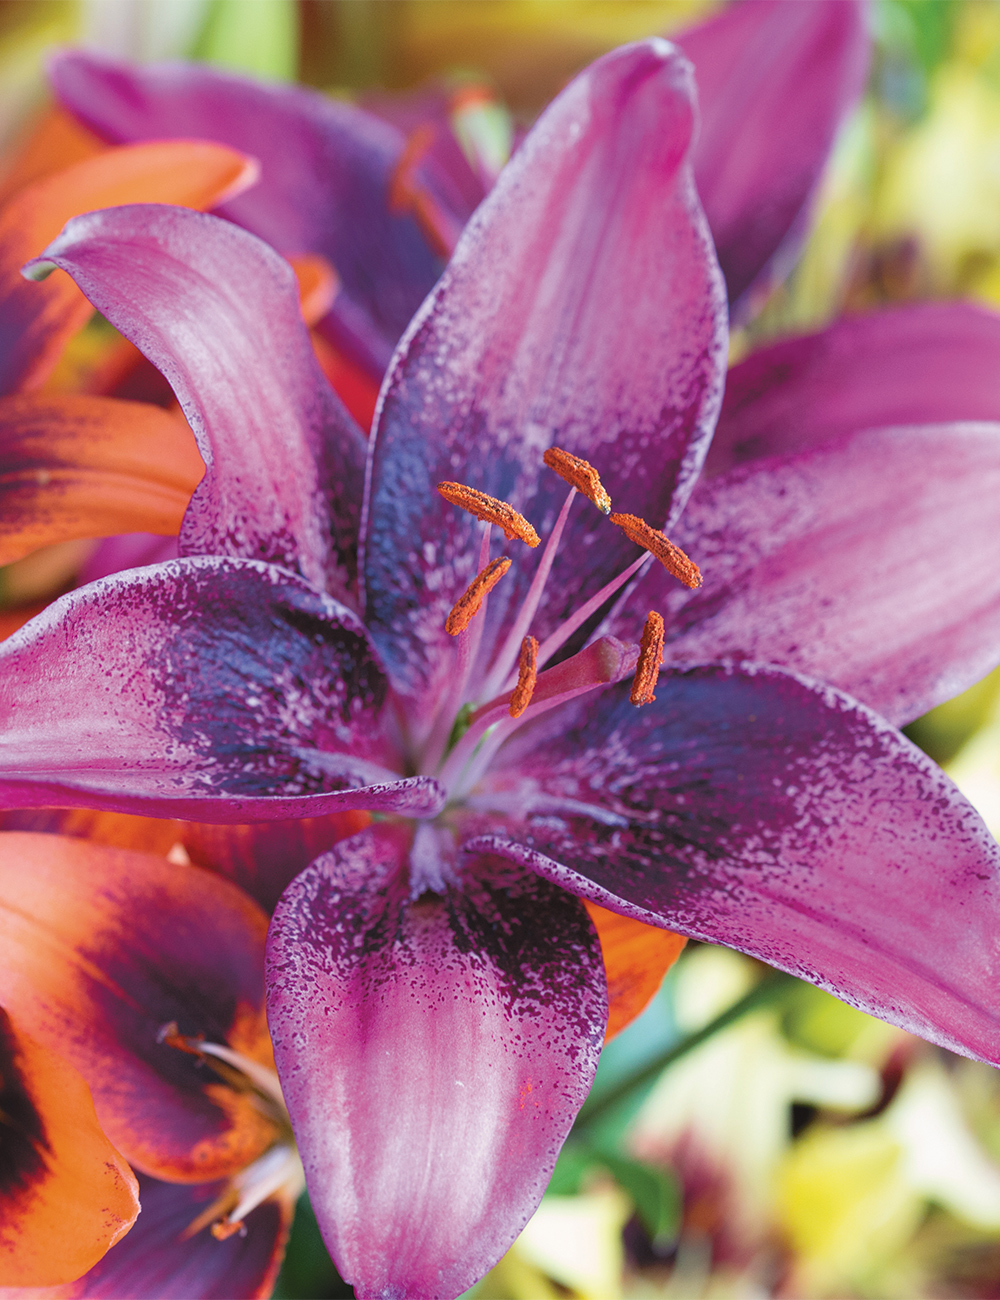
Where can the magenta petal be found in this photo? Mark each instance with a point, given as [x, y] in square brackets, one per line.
[155, 1258]
[752, 808]
[218, 312]
[926, 363]
[211, 689]
[583, 307]
[775, 80]
[325, 173]
[872, 563]
[433, 1056]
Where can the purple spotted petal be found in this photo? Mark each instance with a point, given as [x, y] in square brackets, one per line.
[775, 80]
[210, 689]
[872, 563]
[753, 808]
[217, 311]
[433, 1056]
[325, 173]
[926, 363]
[156, 1258]
[583, 307]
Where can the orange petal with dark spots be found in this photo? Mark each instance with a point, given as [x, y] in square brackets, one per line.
[36, 320]
[101, 948]
[76, 466]
[636, 958]
[66, 1195]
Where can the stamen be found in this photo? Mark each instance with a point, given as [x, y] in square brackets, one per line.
[579, 474]
[468, 604]
[491, 511]
[527, 675]
[407, 194]
[647, 670]
[670, 556]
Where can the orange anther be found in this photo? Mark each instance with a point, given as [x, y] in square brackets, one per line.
[647, 670]
[670, 556]
[527, 675]
[579, 474]
[491, 511]
[467, 606]
[225, 1228]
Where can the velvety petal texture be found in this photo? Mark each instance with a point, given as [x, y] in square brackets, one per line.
[749, 807]
[102, 948]
[775, 80]
[872, 562]
[326, 171]
[61, 1180]
[216, 690]
[925, 363]
[35, 323]
[78, 466]
[157, 1259]
[217, 312]
[583, 307]
[433, 1055]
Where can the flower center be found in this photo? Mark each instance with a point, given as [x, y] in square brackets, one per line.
[278, 1172]
[485, 705]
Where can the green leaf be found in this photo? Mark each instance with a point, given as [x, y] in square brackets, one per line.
[256, 36]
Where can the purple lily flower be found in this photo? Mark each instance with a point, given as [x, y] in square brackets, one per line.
[328, 168]
[436, 992]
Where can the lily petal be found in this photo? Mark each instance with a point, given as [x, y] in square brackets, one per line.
[35, 323]
[636, 958]
[925, 363]
[326, 171]
[433, 1056]
[61, 1180]
[782, 818]
[592, 239]
[218, 312]
[156, 1259]
[90, 466]
[102, 948]
[210, 689]
[872, 562]
[776, 78]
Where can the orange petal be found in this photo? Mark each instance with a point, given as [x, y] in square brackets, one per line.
[12, 619]
[101, 949]
[55, 141]
[354, 386]
[157, 835]
[189, 173]
[66, 1195]
[636, 958]
[318, 285]
[76, 466]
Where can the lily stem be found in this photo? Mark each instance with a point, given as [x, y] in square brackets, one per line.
[768, 990]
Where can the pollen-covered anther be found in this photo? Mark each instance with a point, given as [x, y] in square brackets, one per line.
[491, 511]
[647, 670]
[469, 603]
[579, 474]
[670, 556]
[527, 675]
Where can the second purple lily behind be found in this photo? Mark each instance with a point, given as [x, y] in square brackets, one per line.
[436, 993]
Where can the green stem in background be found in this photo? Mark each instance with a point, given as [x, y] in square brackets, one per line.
[770, 989]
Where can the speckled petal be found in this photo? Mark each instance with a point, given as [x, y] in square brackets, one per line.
[210, 689]
[749, 807]
[872, 562]
[433, 1056]
[326, 168]
[925, 363]
[775, 80]
[218, 312]
[583, 307]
